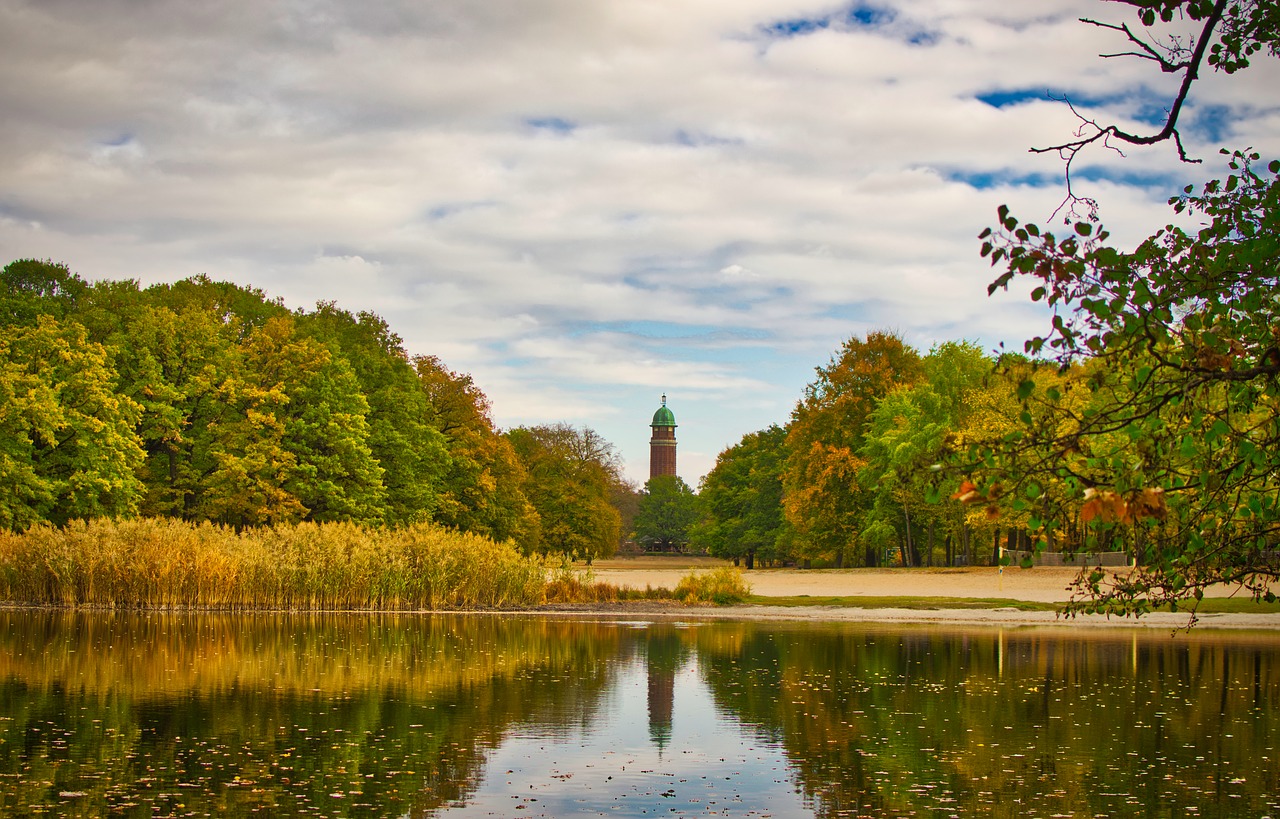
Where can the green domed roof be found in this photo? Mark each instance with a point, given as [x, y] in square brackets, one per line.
[663, 417]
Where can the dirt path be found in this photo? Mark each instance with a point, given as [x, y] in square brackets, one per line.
[1043, 584]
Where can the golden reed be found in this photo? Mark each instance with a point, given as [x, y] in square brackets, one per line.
[170, 564]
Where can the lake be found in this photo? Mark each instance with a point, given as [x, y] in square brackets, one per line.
[529, 716]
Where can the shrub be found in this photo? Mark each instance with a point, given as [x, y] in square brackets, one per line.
[723, 586]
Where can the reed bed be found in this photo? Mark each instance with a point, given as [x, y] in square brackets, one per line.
[578, 590]
[170, 564]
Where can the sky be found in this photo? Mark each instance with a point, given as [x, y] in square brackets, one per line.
[586, 204]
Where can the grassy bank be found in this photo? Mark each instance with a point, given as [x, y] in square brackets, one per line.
[171, 564]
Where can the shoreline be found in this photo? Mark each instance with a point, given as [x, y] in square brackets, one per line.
[960, 617]
[643, 610]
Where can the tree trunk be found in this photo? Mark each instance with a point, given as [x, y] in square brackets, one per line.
[904, 545]
[751, 561]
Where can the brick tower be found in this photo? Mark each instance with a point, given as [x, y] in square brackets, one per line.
[662, 446]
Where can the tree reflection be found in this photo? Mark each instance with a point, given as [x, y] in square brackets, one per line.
[363, 715]
[163, 715]
[1007, 723]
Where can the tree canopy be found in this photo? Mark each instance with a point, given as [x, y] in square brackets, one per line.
[827, 431]
[741, 501]
[571, 474]
[668, 509]
[1175, 456]
[209, 401]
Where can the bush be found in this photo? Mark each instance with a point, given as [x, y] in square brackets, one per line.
[724, 587]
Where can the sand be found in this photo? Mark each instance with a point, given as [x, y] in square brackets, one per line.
[1043, 584]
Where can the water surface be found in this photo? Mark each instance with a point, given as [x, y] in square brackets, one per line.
[467, 716]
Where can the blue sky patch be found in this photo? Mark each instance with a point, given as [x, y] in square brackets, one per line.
[1212, 123]
[557, 125]
[693, 139]
[1008, 97]
[446, 209]
[986, 180]
[1164, 182]
[858, 15]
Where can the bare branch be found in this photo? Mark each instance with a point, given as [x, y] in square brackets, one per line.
[1090, 132]
[1150, 51]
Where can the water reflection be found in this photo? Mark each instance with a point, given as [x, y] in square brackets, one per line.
[357, 715]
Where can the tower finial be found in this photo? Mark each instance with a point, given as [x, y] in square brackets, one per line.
[664, 399]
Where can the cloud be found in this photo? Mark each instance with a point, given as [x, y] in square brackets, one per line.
[582, 203]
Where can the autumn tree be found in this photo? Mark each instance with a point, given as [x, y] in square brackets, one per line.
[822, 499]
[1177, 458]
[483, 487]
[741, 501]
[403, 433]
[323, 423]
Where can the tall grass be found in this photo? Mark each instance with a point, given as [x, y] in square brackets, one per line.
[158, 563]
[567, 585]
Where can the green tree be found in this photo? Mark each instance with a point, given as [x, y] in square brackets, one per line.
[668, 509]
[910, 430]
[402, 425]
[30, 288]
[570, 475]
[67, 447]
[323, 421]
[822, 500]
[741, 501]
[1177, 457]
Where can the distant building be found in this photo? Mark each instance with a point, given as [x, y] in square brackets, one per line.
[662, 446]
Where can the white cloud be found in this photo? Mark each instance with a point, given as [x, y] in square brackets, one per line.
[580, 202]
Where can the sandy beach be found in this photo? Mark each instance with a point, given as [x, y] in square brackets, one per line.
[1043, 584]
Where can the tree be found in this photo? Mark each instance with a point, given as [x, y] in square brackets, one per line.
[402, 433]
[30, 288]
[827, 429]
[668, 509]
[323, 423]
[482, 490]
[910, 430]
[1177, 456]
[1230, 33]
[741, 500]
[67, 447]
[570, 475]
